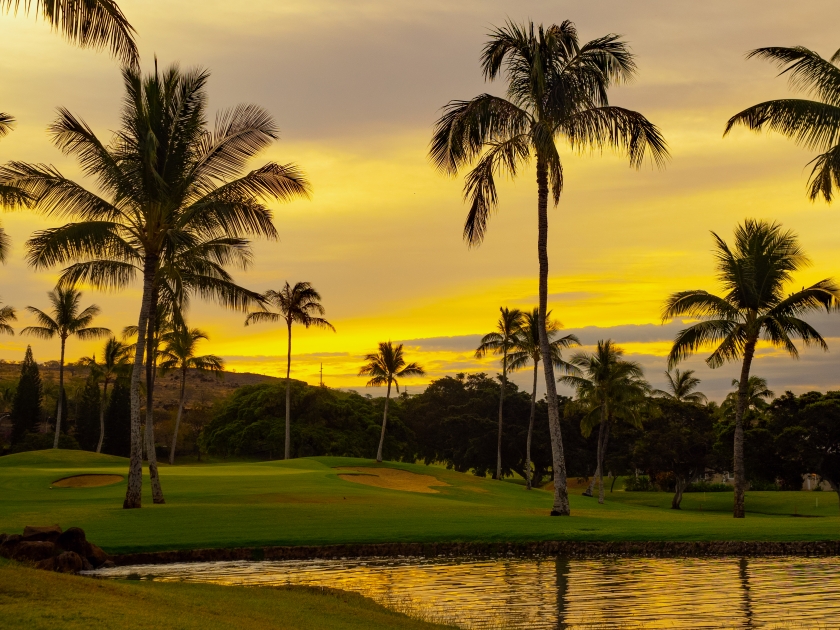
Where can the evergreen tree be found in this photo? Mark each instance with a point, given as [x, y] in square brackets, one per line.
[87, 417]
[26, 408]
[118, 421]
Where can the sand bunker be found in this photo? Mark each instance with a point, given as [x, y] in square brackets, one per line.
[392, 479]
[87, 481]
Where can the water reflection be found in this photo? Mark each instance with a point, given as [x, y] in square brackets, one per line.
[560, 593]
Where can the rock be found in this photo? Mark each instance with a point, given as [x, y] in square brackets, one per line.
[95, 555]
[3, 538]
[8, 545]
[73, 540]
[29, 530]
[33, 551]
[67, 562]
[108, 564]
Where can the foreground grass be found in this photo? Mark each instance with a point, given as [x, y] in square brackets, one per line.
[304, 502]
[33, 600]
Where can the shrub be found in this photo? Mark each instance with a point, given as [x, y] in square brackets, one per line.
[706, 486]
[44, 441]
[765, 486]
[639, 484]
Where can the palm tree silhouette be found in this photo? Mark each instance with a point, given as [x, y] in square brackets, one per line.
[11, 197]
[66, 321]
[754, 275]
[501, 341]
[179, 354]
[7, 314]
[384, 368]
[526, 349]
[681, 386]
[556, 90]
[812, 124]
[169, 186]
[299, 304]
[115, 364]
[88, 24]
[608, 388]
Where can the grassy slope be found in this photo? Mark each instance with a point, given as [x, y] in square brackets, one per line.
[34, 600]
[304, 502]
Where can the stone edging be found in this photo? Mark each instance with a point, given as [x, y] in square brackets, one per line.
[642, 549]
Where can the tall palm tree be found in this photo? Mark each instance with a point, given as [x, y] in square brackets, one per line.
[179, 354]
[556, 90]
[501, 341]
[299, 304]
[86, 23]
[812, 124]
[681, 386]
[66, 321]
[608, 388]
[169, 185]
[116, 357]
[526, 348]
[7, 314]
[754, 274]
[384, 368]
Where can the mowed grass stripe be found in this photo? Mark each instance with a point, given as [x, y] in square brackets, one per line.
[305, 502]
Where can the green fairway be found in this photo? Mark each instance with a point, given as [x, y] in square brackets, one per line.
[304, 502]
[32, 600]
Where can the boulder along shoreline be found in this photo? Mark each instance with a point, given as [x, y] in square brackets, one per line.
[575, 549]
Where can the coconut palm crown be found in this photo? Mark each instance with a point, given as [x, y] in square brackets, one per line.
[681, 386]
[754, 274]
[812, 124]
[384, 369]
[557, 90]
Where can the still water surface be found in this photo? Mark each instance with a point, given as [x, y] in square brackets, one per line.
[558, 593]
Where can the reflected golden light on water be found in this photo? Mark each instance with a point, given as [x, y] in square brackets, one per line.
[558, 593]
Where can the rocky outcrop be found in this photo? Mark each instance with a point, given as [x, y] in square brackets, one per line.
[52, 549]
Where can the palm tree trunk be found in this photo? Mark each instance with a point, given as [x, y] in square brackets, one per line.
[678, 493]
[589, 490]
[501, 412]
[601, 462]
[102, 416]
[531, 428]
[59, 409]
[738, 456]
[558, 459]
[151, 361]
[133, 493]
[287, 447]
[384, 422]
[178, 417]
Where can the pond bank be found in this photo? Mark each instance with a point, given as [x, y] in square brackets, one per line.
[574, 549]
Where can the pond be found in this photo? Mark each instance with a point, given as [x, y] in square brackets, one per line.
[557, 592]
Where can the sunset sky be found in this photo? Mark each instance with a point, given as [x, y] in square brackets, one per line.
[356, 87]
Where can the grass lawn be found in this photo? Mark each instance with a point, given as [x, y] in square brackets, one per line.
[305, 502]
[33, 600]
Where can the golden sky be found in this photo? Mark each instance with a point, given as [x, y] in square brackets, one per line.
[355, 88]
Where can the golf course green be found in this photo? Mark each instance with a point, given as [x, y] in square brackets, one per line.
[330, 500]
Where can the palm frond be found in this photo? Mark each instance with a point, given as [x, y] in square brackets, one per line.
[700, 335]
[811, 124]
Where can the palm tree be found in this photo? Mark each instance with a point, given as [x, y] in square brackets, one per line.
[501, 341]
[10, 196]
[812, 124]
[169, 186]
[681, 386]
[179, 354]
[556, 90]
[7, 314]
[608, 388]
[754, 275]
[115, 364]
[384, 368]
[66, 321]
[299, 304]
[757, 396]
[525, 349]
[88, 24]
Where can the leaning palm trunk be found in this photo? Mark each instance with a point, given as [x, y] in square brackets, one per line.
[591, 488]
[287, 447]
[601, 457]
[738, 455]
[151, 359]
[501, 414]
[384, 423]
[680, 486]
[531, 428]
[178, 417]
[133, 493]
[60, 396]
[102, 416]
[561, 496]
